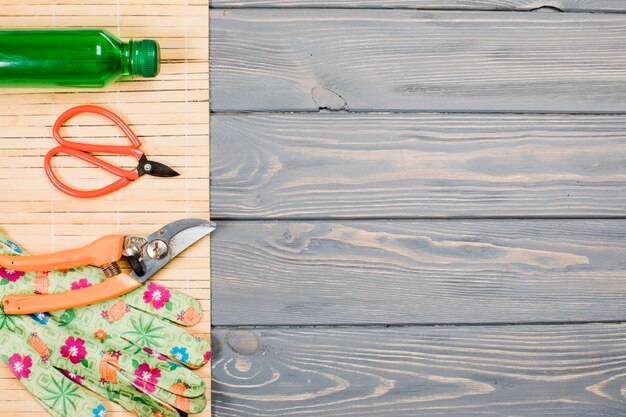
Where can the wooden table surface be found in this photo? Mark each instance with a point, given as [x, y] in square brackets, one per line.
[421, 207]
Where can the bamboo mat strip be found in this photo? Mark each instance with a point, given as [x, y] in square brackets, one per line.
[169, 114]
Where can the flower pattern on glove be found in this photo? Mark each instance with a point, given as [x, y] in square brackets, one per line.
[99, 411]
[81, 283]
[41, 318]
[147, 377]
[100, 335]
[13, 246]
[20, 365]
[156, 295]
[74, 350]
[180, 354]
[9, 275]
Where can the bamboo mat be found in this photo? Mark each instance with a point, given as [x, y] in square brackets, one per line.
[170, 114]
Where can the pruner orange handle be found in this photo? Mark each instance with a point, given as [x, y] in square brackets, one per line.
[34, 303]
[100, 252]
[103, 251]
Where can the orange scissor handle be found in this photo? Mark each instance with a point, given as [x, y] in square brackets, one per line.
[83, 152]
[35, 303]
[126, 176]
[132, 150]
[100, 252]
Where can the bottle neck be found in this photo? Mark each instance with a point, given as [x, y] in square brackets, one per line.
[125, 58]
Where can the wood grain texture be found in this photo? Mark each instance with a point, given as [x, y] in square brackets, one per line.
[359, 60]
[504, 271]
[564, 371]
[170, 115]
[416, 165]
[501, 5]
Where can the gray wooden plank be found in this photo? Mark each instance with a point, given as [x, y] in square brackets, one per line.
[502, 5]
[417, 165]
[418, 272]
[307, 59]
[556, 371]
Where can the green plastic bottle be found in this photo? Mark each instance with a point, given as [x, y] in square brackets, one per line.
[73, 58]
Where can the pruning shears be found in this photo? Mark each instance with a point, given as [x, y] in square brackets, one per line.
[145, 255]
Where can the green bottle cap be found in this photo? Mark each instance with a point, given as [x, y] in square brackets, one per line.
[145, 58]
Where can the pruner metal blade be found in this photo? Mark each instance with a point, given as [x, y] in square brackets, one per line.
[166, 243]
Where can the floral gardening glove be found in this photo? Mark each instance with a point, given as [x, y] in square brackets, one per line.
[126, 349]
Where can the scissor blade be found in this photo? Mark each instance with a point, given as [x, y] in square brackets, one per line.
[176, 237]
[157, 169]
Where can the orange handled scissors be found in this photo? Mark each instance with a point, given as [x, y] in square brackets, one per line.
[84, 151]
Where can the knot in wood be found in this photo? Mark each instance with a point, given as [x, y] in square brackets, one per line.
[243, 342]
